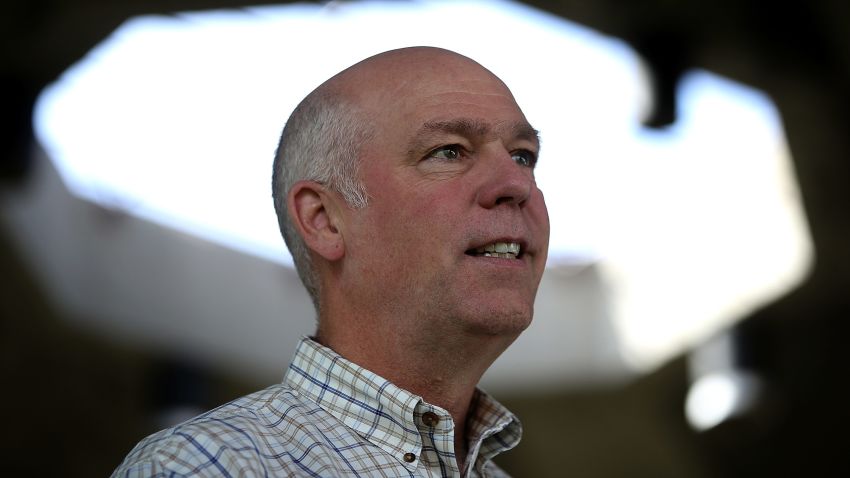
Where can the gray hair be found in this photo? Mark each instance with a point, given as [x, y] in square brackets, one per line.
[321, 142]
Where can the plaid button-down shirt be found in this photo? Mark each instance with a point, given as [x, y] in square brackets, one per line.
[329, 418]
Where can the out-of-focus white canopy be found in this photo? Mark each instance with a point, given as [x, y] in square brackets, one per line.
[174, 120]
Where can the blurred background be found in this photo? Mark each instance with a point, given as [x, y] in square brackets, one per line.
[691, 321]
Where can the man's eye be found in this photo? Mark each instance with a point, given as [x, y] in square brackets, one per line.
[451, 152]
[524, 158]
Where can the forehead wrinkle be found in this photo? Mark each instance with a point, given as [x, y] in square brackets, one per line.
[478, 128]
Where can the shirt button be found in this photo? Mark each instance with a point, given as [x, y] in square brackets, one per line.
[409, 457]
[430, 419]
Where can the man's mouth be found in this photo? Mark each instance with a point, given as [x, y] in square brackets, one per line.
[504, 250]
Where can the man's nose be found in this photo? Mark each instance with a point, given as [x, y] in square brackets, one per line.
[504, 181]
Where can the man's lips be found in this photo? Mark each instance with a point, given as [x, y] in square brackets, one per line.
[502, 248]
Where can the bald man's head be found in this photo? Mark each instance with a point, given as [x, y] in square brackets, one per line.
[326, 135]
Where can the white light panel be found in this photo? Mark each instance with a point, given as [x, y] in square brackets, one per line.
[176, 118]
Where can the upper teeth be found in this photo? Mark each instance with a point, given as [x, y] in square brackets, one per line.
[505, 250]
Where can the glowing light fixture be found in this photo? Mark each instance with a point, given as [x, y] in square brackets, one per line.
[718, 397]
[175, 119]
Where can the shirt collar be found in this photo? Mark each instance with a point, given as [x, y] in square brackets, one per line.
[379, 411]
[491, 429]
[383, 413]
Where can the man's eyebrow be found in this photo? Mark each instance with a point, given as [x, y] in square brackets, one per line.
[475, 128]
[523, 130]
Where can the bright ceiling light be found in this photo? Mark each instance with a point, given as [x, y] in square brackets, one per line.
[718, 397]
[176, 119]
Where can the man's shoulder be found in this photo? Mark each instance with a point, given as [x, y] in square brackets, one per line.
[240, 435]
[266, 409]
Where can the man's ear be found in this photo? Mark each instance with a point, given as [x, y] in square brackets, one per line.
[314, 212]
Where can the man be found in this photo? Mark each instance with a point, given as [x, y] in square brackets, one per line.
[405, 190]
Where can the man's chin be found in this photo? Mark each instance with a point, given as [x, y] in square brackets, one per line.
[498, 322]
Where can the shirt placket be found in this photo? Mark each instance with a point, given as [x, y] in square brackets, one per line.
[437, 431]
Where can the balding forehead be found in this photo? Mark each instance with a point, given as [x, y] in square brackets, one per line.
[415, 55]
[395, 70]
